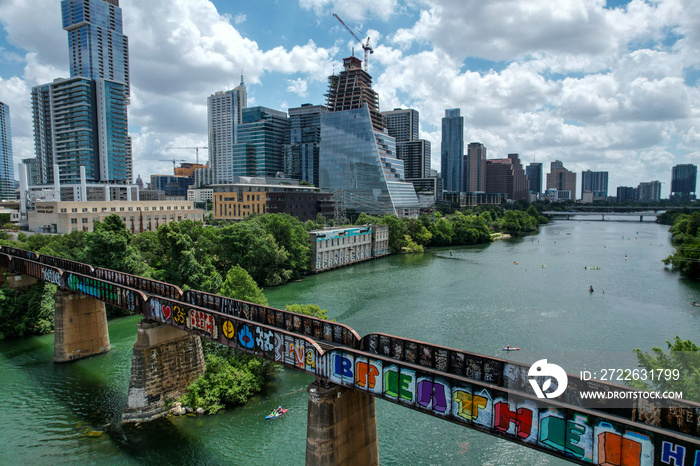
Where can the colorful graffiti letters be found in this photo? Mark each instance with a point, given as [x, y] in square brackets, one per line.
[468, 405]
[432, 393]
[245, 337]
[522, 418]
[51, 276]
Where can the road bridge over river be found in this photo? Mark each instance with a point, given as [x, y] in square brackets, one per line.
[491, 395]
[611, 215]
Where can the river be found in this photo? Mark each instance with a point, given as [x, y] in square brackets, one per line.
[472, 298]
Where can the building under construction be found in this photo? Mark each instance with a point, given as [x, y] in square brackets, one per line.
[351, 89]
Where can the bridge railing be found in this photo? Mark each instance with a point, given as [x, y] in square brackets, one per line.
[319, 329]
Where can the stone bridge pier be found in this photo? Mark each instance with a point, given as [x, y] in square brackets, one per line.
[164, 362]
[80, 327]
[341, 427]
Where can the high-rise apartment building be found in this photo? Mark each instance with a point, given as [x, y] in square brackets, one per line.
[97, 45]
[80, 122]
[452, 150]
[262, 134]
[534, 177]
[625, 193]
[301, 155]
[358, 161]
[7, 174]
[224, 115]
[563, 180]
[403, 125]
[506, 176]
[649, 191]
[475, 168]
[683, 182]
[595, 182]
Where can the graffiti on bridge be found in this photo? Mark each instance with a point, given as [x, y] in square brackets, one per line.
[584, 437]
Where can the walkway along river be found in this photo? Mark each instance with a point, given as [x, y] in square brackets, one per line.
[472, 298]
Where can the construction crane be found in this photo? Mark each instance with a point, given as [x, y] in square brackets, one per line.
[365, 47]
[173, 161]
[196, 148]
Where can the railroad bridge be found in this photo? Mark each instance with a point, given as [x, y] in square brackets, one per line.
[491, 395]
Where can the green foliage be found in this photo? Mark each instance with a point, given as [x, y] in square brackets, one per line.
[313, 310]
[686, 233]
[469, 229]
[291, 236]
[411, 246]
[29, 313]
[109, 246]
[683, 356]
[227, 381]
[240, 285]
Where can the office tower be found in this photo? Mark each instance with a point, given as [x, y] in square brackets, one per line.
[683, 182]
[403, 125]
[301, 155]
[452, 150]
[97, 45]
[7, 174]
[475, 168]
[563, 180]
[506, 176]
[649, 191]
[358, 160]
[351, 89]
[81, 122]
[595, 182]
[224, 115]
[534, 177]
[625, 193]
[261, 136]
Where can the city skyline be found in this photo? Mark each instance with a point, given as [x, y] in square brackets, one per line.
[594, 85]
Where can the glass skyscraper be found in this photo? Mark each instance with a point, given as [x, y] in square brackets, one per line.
[452, 150]
[596, 182]
[534, 177]
[301, 155]
[261, 139]
[97, 45]
[224, 115]
[7, 174]
[683, 182]
[359, 165]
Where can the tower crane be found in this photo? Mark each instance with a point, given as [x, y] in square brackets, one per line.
[196, 148]
[173, 161]
[366, 47]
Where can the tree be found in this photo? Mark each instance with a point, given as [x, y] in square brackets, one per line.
[240, 285]
[679, 370]
[313, 310]
[292, 237]
[109, 246]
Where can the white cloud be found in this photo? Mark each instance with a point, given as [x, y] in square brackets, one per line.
[297, 86]
[356, 10]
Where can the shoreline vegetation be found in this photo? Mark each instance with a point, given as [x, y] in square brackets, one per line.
[235, 259]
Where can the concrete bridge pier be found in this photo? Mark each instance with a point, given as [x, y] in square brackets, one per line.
[341, 427]
[80, 324]
[165, 361]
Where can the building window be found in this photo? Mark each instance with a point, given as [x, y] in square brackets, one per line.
[85, 219]
[74, 220]
[112, 209]
[131, 209]
[121, 209]
[85, 209]
[94, 209]
[63, 211]
[74, 210]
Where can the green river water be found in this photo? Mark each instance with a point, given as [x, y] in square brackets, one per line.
[471, 298]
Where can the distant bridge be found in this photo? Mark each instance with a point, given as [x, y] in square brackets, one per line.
[491, 395]
[569, 214]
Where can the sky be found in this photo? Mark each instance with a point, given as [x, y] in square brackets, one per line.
[606, 86]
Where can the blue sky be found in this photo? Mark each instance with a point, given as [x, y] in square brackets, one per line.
[598, 85]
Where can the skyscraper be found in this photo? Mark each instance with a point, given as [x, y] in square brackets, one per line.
[224, 115]
[97, 45]
[683, 182]
[358, 160]
[506, 176]
[649, 191]
[301, 155]
[262, 134]
[534, 177]
[403, 125]
[452, 150]
[563, 180]
[596, 182]
[7, 174]
[475, 168]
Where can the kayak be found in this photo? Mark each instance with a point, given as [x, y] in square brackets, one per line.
[510, 349]
[276, 414]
